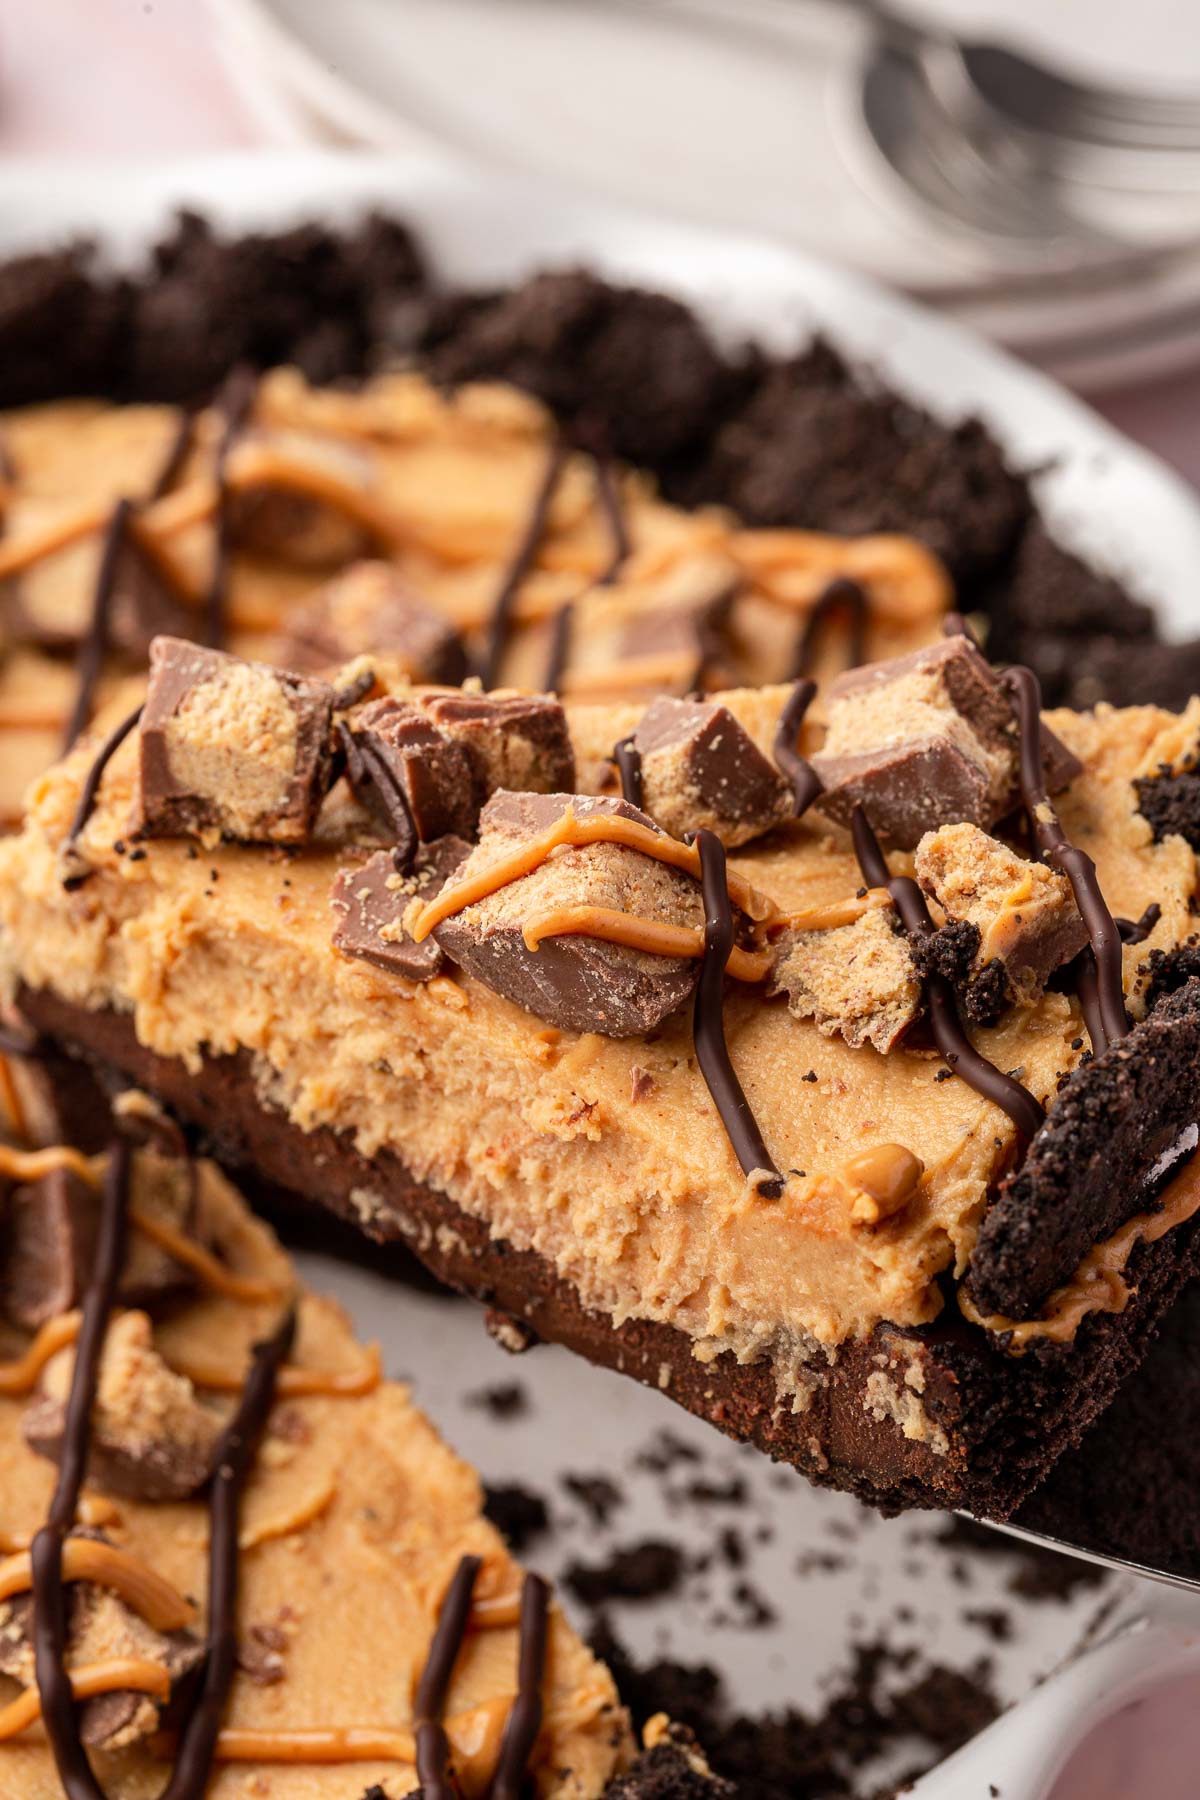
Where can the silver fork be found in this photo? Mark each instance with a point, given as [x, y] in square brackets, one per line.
[1025, 92]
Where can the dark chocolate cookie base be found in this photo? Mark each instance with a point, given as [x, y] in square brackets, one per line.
[1003, 1421]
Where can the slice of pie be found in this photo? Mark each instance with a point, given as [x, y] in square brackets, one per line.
[274, 1577]
[839, 1081]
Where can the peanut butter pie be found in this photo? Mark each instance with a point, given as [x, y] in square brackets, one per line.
[827, 1061]
[234, 1560]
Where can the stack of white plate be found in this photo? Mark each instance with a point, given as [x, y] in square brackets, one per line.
[755, 123]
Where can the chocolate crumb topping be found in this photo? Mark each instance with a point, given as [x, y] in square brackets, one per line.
[1084, 1172]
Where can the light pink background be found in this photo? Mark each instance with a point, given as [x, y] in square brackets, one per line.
[112, 77]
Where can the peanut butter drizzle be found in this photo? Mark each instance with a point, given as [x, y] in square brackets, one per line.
[202, 1263]
[19, 1377]
[651, 935]
[149, 1594]
[833, 913]
[314, 1744]
[570, 830]
[121, 1675]
[291, 1383]
[32, 1165]
[886, 1178]
[1099, 1283]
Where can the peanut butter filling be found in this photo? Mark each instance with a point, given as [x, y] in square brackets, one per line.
[532, 1131]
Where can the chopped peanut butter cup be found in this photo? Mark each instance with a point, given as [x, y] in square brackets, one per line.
[855, 980]
[927, 739]
[1023, 915]
[701, 768]
[231, 748]
[374, 901]
[371, 609]
[577, 982]
[152, 1438]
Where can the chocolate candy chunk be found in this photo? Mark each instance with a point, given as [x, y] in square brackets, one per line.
[660, 635]
[578, 983]
[445, 754]
[48, 1239]
[925, 740]
[231, 748]
[151, 1437]
[1170, 802]
[1084, 1173]
[515, 741]
[701, 768]
[292, 511]
[856, 981]
[1024, 912]
[374, 901]
[411, 774]
[100, 1628]
[372, 610]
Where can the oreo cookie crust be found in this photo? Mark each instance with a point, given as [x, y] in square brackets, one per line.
[1084, 1174]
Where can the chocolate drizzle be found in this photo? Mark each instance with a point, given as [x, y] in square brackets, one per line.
[525, 1720]
[433, 1747]
[1022, 1107]
[46, 1552]
[628, 759]
[806, 783]
[90, 660]
[1102, 993]
[609, 496]
[712, 1052]
[1136, 931]
[88, 794]
[841, 595]
[519, 564]
[233, 1460]
[235, 401]
[176, 456]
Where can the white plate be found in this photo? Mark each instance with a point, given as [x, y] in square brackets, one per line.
[620, 100]
[1112, 499]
